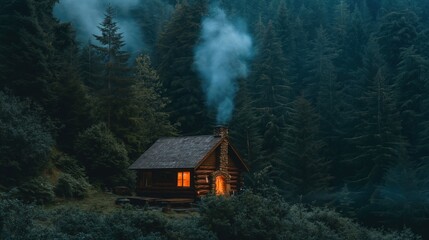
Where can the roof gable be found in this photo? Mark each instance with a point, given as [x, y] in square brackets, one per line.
[176, 152]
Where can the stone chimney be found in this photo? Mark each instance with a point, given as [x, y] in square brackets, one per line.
[222, 132]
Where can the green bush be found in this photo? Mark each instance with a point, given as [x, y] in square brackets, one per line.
[103, 156]
[38, 190]
[70, 165]
[70, 187]
[25, 140]
[251, 216]
[77, 224]
[189, 228]
[24, 222]
[246, 216]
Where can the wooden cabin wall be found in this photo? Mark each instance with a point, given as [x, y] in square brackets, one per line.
[203, 175]
[234, 169]
[167, 188]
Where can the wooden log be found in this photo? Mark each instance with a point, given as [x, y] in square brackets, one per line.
[202, 193]
[202, 176]
[202, 186]
[208, 167]
[204, 172]
[201, 182]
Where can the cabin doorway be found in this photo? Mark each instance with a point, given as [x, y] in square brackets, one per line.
[220, 186]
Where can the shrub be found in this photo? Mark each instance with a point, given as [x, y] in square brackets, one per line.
[38, 190]
[70, 165]
[70, 187]
[133, 223]
[104, 157]
[24, 222]
[251, 216]
[77, 224]
[189, 228]
[245, 216]
[25, 140]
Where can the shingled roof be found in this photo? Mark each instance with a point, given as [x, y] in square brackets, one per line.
[176, 152]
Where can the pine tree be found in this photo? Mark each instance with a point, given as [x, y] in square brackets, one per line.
[283, 28]
[115, 74]
[24, 45]
[397, 32]
[41, 64]
[175, 51]
[307, 172]
[270, 89]
[422, 146]
[378, 138]
[244, 128]
[413, 71]
[342, 19]
[91, 64]
[299, 48]
[320, 65]
[326, 90]
[147, 118]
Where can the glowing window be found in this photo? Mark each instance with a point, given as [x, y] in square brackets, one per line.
[184, 179]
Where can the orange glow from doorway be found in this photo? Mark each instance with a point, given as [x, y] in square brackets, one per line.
[220, 185]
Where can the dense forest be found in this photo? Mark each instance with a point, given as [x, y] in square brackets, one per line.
[328, 103]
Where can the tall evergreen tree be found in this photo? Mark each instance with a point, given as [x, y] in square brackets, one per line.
[413, 71]
[70, 105]
[147, 119]
[90, 65]
[378, 139]
[326, 90]
[41, 64]
[271, 90]
[244, 127]
[422, 147]
[175, 51]
[24, 45]
[306, 171]
[271, 87]
[299, 48]
[398, 31]
[283, 26]
[115, 74]
[320, 65]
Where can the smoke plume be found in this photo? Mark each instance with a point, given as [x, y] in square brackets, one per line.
[86, 15]
[221, 58]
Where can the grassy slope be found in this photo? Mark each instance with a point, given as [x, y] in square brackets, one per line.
[96, 200]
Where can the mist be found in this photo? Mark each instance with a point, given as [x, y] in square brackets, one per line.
[221, 58]
[86, 15]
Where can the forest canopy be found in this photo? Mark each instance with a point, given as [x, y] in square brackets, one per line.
[330, 100]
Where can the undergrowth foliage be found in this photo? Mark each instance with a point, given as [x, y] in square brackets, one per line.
[243, 216]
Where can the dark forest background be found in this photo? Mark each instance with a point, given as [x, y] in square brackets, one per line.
[335, 111]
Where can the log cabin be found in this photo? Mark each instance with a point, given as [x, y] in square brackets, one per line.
[190, 167]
